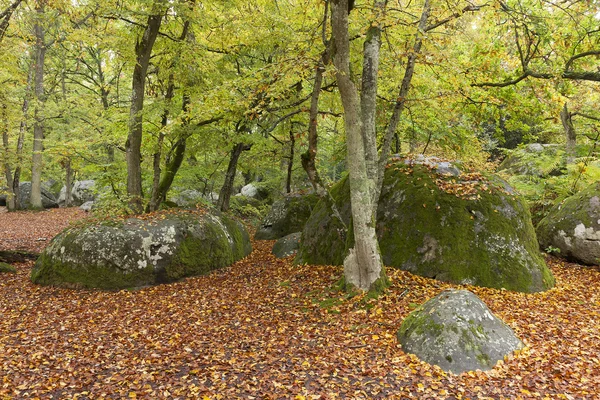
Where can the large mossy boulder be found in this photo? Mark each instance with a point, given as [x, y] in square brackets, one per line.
[287, 245]
[573, 227]
[287, 216]
[436, 221]
[457, 332]
[137, 252]
[48, 199]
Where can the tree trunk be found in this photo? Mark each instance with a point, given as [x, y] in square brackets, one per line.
[567, 122]
[38, 127]
[226, 189]
[290, 166]
[143, 51]
[21, 139]
[68, 183]
[368, 97]
[402, 95]
[363, 267]
[10, 198]
[309, 157]
[155, 196]
[173, 163]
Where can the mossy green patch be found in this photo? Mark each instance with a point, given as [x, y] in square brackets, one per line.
[456, 229]
[288, 215]
[557, 229]
[50, 272]
[138, 252]
[7, 268]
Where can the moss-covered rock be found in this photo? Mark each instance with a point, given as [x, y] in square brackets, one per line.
[457, 332]
[464, 228]
[287, 245]
[139, 252]
[7, 268]
[535, 159]
[573, 227]
[287, 215]
[48, 199]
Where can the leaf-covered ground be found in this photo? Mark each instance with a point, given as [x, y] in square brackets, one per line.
[266, 329]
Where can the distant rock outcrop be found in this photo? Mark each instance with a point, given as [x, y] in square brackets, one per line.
[286, 216]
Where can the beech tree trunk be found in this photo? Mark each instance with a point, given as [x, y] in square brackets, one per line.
[226, 189]
[143, 51]
[38, 127]
[290, 166]
[363, 267]
[402, 95]
[68, 183]
[173, 163]
[567, 122]
[16, 181]
[155, 196]
[10, 198]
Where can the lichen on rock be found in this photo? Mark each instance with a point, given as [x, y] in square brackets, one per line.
[457, 332]
[139, 252]
[287, 215]
[573, 227]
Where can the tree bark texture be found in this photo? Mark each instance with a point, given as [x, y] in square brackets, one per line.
[173, 163]
[363, 266]
[10, 198]
[226, 189]
[402, 95]
[143, 51]
[290, 165]
[567, 122]
[38, 127]
[68, 183]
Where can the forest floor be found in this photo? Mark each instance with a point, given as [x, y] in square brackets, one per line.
[265, 329]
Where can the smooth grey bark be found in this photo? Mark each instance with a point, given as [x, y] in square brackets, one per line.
[368, 97]
[68, 183]
[10, 198]
[226, 189]
[38, 127]
[143, 51]
[567, 122]
[290, 164]
[363, 266]
[21, 139]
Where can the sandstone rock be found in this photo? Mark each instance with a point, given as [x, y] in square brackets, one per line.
[457, 332]
[140, 252]
[287, 245]
[573, 226]
[286, 216]
[468, 229]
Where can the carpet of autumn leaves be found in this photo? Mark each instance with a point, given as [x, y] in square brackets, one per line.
[266, 329]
